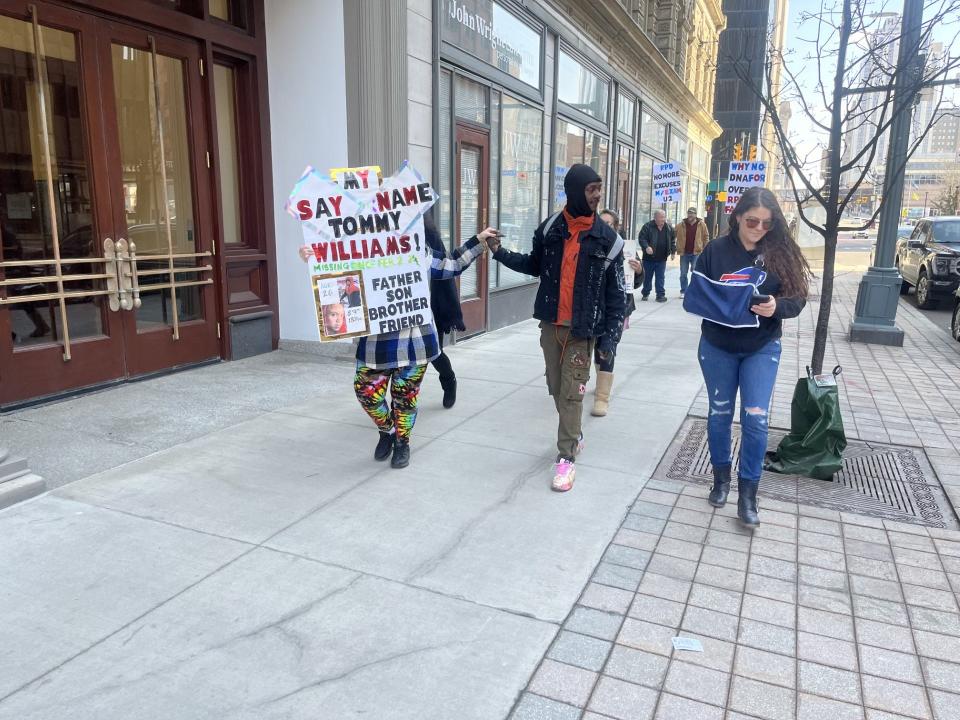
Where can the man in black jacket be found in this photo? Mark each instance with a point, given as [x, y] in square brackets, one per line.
[579, 260]
[657, 242]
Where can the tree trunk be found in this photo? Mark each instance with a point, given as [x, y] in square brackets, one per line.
[826, 302]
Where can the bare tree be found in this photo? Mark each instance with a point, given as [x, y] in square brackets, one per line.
[850, 104]
[947, 201]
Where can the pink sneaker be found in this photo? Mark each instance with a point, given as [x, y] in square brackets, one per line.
[563, 476]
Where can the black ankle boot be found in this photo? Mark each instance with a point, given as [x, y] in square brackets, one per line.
[721, 487]
[449, 385]
[401, 455]
[747, 504]
[384, 446]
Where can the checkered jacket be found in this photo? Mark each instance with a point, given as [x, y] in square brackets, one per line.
[416, 345]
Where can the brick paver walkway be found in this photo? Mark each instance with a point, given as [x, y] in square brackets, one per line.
[810, 617]
[814, 616]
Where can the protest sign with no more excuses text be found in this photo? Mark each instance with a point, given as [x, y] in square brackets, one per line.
[369, 262]
[666, 182]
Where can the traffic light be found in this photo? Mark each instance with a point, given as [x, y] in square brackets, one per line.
[753, 152]
[738, 151]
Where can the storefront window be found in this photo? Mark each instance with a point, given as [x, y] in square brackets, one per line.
[576, 145]
[491, 33]
[678, 149]
[471, 100]
[521, 143]
[224, 88]
[626, 115]
[699, 161]
[232, 11]
[445, 223]
[644, 205]
[653, 133]
[623, 186]
[581, 88]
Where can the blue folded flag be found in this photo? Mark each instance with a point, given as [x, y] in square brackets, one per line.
[725, 301]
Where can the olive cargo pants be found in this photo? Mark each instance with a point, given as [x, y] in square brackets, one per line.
[567, 360]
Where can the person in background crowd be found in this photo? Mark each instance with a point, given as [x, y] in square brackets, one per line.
[447, 313]
[580, 303]
[691, 239]
[601, 399]
[746, 359]
[398, 361]
[657, 243]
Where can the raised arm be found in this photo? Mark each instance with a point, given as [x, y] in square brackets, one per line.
[444, 266]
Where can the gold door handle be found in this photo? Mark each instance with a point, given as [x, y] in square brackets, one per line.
[125, 289]
[134, 279]
[113, 273]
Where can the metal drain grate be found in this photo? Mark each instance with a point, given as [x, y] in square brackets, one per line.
[884, 481]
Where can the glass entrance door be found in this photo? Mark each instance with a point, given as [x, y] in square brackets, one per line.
[159, 182]
[473, 173]
[56, 328]
[106, 266]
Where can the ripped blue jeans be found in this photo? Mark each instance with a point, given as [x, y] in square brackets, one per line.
[754, 375]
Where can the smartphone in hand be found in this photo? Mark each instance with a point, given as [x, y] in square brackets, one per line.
[759, 299]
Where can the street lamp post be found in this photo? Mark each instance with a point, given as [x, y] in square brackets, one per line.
[879, 291]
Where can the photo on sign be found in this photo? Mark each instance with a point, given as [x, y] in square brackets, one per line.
[341, 305]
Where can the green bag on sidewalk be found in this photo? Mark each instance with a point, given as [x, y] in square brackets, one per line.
[814, 447]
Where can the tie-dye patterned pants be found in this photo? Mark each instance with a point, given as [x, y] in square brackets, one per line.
[371, 388]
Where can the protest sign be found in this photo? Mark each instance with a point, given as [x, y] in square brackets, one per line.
[666, 182]
[629, 253]
[743, 175]
[369, 262]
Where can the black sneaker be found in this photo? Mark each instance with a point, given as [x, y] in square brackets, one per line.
[662, 298]
[644, 298]
[384, 446]
[401, 455]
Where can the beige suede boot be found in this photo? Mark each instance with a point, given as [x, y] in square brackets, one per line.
[602, 396]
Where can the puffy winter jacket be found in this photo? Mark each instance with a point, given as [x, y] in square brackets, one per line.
[599, 298]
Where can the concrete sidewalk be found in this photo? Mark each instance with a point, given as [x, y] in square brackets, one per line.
[818, 615]
[267, 567]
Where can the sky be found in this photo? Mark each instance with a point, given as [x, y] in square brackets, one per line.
[804, 133]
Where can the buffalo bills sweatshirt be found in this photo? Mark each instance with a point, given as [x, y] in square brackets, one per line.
[725, 256]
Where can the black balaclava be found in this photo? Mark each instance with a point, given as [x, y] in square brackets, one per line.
[575, 185]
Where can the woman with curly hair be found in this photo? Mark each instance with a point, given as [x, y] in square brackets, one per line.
[743, 356]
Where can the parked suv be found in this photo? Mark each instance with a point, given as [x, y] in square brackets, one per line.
[929, 259]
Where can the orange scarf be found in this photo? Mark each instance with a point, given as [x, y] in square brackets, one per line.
[568, 268]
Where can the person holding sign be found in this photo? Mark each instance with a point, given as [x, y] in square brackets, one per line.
[399, 360]
[745, 284]
[580, 302]
[365, 242]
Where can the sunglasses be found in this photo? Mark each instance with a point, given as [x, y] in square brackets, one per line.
[752, 222]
